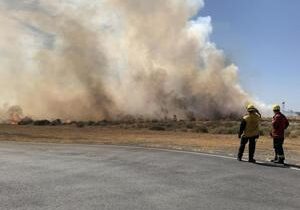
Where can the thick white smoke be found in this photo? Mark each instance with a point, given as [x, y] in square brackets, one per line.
[95, 59]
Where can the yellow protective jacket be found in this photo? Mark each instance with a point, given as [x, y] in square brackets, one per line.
[250, 125]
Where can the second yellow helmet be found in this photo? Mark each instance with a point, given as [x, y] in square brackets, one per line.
[276, 107]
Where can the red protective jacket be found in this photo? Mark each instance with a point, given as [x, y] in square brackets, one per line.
[279, 124]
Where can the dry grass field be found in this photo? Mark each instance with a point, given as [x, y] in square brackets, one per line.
[213, 137]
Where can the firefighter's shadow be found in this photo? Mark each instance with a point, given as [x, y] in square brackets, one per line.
[275, 165]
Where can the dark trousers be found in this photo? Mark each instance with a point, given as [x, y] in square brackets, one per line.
[279, 153]
[252, 144]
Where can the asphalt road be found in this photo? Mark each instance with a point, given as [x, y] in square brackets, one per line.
[70, 177]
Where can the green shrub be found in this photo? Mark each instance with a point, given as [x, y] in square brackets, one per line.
[200, 129]
[157, 128]
[190, 126]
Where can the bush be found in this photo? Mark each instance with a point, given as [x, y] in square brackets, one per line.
[225, 130]
[170, 125]
[56, 122]
[26, 121]
[200, 129]
[265, 131]
[190, 126]
[102, 123]
[294, 134]
[41, 122]
[157, 128]
[80, 124]
[91, 123]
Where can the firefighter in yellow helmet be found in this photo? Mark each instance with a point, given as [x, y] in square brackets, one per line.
[249, 132]
[279, 124]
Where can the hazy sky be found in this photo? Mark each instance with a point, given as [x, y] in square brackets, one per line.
[263, 38]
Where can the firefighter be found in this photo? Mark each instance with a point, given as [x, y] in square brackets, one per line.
[279, 124]
[249, 132]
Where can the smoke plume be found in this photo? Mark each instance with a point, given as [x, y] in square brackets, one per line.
[104, 59]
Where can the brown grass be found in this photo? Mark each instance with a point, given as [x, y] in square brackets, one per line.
[187, 140]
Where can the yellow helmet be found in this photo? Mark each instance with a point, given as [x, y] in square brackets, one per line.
[251, 108]
[276, 107]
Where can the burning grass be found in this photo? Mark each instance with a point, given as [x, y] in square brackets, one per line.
[191, 126]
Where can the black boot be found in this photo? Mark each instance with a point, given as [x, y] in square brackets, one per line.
[252, 160]
[275, 159]
[279, 161]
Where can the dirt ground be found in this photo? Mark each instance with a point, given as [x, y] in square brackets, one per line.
[201, 142]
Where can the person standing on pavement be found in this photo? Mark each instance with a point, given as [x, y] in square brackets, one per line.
[279, 124]
[249, 132]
